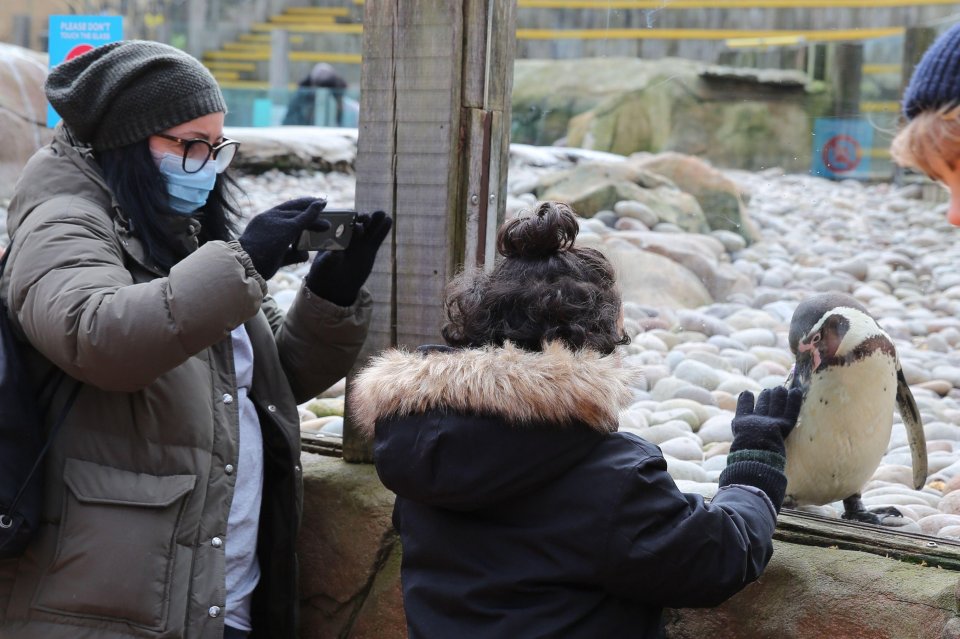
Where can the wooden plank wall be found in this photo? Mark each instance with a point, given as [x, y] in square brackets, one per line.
[435, 88]
[486, 115]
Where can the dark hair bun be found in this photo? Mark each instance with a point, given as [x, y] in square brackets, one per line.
[549, 229]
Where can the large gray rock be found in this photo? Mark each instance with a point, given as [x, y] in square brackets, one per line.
[735, 119]
[654, 280]
[23, 111]
[290, 148]
[718, 196]
[349, 554]
[548, 93]
[698, 254]
[811, 591]
[350, 566]
[596, 186]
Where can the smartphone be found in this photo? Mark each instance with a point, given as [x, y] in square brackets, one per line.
[336, 238]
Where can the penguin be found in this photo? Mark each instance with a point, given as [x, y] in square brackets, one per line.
[848, 369]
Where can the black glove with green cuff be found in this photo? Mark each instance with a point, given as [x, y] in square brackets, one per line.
[758, 455]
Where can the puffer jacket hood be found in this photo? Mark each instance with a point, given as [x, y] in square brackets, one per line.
[63, 168]
[66, 170]
[434, 412]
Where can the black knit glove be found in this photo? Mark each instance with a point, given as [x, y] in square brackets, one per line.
[270, 238]
[338, 275]
[757, 454]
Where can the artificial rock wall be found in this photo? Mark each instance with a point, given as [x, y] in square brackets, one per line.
[350, 579]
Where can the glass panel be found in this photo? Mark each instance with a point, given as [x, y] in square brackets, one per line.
[745, 161]
[264, 53]
[298, 106]
[733, 159]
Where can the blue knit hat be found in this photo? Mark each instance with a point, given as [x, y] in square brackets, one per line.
[936, 80]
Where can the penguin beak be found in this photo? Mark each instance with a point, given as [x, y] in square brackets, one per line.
[799, 376]
[805, 347]
[791, 380]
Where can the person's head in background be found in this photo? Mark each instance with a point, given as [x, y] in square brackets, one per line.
[930, 141]
[324, 75]
[544, 289]
[153, 117]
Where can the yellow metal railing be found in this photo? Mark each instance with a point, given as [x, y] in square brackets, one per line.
[807, 35]
[878, 69]
[261, 55]
[677, 5]
[309, 28]
[741, 37]
[881, 106]
[339, 12]
[297, 18]
[227, 65]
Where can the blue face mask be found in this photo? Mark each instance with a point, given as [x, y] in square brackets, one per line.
[188, 191]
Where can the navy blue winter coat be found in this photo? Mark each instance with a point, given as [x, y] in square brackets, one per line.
[523, 513]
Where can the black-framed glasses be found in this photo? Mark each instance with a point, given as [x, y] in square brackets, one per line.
[197, 152]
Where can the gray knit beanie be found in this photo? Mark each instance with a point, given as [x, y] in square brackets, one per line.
[124, 92]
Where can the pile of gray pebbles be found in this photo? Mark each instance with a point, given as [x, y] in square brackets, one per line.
[882, 244]
[891, 250]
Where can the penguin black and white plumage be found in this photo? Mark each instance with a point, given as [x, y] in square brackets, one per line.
[851, 377]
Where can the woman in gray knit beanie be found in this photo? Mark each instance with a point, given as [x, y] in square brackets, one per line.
[172, 491]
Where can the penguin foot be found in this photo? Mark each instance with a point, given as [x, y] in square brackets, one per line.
[887, 516]
[854, 510]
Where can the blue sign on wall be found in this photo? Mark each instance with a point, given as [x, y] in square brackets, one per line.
[841, 147]
[71, 36]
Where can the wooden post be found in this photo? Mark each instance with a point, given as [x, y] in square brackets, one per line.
[845, 64]
[197, 27]
[217, 34]
[279, 65]
[21, 30]
[916, 40]
[432, 152]
[488, 81]
[817, 62]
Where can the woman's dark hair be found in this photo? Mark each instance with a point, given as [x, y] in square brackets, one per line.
[545, 289]
[133, 176]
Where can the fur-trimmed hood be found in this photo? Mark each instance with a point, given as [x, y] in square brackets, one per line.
[465, 428]
[557, 385]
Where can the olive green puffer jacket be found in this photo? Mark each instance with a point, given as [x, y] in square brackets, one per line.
[139, 481]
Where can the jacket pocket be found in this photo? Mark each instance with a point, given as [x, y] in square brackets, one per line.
[116, 546]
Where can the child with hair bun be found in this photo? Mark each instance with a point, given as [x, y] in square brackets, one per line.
[522, 511]
[930, 140]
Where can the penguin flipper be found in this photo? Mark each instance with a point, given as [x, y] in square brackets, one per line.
[911, 420]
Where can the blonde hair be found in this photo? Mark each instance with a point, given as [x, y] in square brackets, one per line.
[933, 133]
